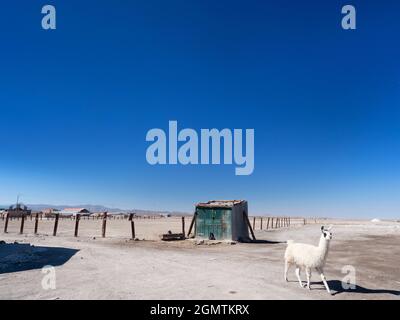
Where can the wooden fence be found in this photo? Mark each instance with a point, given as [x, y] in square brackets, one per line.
[269, 223]
[58, 220]
[77, 218]
[255, 223]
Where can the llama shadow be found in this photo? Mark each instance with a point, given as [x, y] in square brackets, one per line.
[15, 257]
[336, 285]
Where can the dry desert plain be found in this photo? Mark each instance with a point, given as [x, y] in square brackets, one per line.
[90, 267]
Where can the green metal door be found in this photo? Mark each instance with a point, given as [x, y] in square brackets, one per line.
[214, 223]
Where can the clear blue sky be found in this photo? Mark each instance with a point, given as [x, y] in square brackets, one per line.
[76, 103]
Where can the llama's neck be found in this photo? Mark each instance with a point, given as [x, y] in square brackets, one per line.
[323, 247]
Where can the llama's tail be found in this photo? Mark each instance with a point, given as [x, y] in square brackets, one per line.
[289, 242]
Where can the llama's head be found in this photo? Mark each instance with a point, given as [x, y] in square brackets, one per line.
[326, 233]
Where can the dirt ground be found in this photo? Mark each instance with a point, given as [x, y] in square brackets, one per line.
[89, 267]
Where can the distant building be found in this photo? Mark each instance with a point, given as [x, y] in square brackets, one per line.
[50, 212]
[74, 212]
[18, 210]
[97, 214]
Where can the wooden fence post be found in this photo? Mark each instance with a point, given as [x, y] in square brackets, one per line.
[21, 229]
[56, 224]
[268, 223]
[192, 224]
[183, 226]
[131, 219]
[77, 218]
[276, 224]
[246, 217]
[104, 225]
[133, 230]
[254, 223]
[261, 224]
[6, 223]
[36, 223]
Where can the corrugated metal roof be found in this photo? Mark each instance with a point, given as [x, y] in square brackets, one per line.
[220, 203]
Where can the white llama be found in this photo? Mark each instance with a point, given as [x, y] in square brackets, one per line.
[305, 256]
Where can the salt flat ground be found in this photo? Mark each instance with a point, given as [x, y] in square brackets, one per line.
[89, 267]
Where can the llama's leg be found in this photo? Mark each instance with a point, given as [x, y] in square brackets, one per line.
[287, 265]
[298, 276]
[321, 271]
[308, 273]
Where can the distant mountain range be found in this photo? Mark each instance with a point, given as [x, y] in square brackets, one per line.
[97, 208]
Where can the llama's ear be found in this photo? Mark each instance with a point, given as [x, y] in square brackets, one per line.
[322, 228]
[330, 228]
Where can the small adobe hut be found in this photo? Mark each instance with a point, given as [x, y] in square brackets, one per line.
[222, 220]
